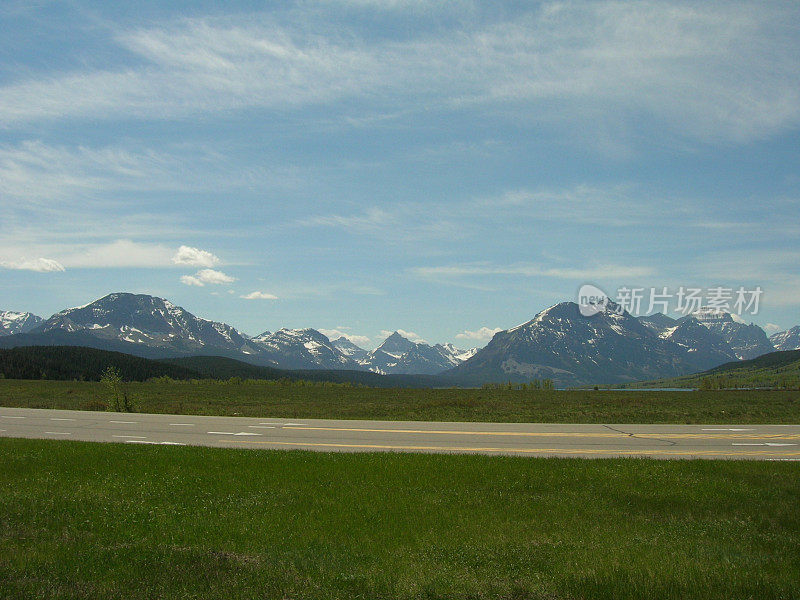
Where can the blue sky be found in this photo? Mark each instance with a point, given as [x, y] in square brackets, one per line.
[360, 166]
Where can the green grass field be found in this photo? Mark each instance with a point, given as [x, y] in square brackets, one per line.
[83, 520]
[272, 399]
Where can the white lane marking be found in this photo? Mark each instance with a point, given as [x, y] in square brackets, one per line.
[262, 426]
[141, 437]
[58, 432]
[2, 430]
[728, 429]
[764, 444]
[10, 417]
[156, 443]
[125, 422]
[60, 419]
[231, 433]
[278, 424]
[182, 424]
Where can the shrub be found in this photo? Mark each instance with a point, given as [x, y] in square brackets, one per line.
[118, 398]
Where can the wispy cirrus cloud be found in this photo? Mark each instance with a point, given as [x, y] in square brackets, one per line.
[715, 72]
[40, 173]
[596, 273]
[40, 265]
[120, 253]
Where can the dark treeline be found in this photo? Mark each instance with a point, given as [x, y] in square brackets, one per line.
[88, 364]
[83, 364]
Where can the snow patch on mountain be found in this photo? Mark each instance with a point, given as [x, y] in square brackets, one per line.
[13, 322]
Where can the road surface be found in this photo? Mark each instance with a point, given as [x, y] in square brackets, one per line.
[764, 442]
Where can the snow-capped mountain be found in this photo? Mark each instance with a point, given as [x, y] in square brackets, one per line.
[13, 322]
[786, 340]
[562, 345]
[746, 340]
[302, 349]
[458, 355]
[706, 346]
[399, 355]
[143, 321]
[657, 322]
[349, 349]
[558, 343]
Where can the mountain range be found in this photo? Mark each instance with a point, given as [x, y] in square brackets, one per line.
[12, 322]
[558, 343]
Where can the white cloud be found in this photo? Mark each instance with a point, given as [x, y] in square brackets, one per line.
[207, 276]
[40, 265]
[771, 328]
[409, 335]
[720, 71]
[117, 254]
[191, 280]
[121, 253]
[336, 333]
[259, 296]
[188, 255]
[484, 334]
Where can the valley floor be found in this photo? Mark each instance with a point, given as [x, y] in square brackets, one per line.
[319, 401]
[86, 520]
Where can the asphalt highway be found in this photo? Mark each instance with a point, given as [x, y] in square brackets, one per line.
[760, 442]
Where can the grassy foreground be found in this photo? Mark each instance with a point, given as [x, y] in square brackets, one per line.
[83, 520]
[291, 400]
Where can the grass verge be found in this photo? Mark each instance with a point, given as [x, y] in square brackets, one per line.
[290, 400]
[84, 520]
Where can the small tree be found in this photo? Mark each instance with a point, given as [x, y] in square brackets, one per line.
[119, 401]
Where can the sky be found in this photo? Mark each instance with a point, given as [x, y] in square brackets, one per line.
[447, 169]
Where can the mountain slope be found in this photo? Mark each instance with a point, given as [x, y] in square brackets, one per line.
[562, 345]
[746, 341]
[302, 349]
[13, 322]
[350, 349]
[658, 322]
[147, 321]
[786, 340]
[707, 347]
[773, 370]
[399, 355]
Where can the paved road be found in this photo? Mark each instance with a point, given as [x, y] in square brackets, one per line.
[765, 442]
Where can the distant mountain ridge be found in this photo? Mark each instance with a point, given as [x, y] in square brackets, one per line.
[562, 345]
[786, 340]
[153, 327]
[398, 354]
[13, 322]
[302, 349]
[558, 344]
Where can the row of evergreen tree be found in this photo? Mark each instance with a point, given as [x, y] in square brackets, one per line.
[83, 364]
